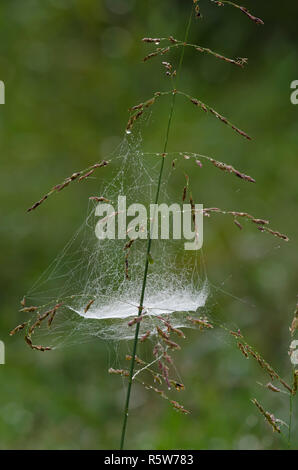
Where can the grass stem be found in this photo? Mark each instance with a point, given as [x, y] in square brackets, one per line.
[134, 351]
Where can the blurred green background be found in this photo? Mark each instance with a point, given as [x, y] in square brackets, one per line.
[71, 69]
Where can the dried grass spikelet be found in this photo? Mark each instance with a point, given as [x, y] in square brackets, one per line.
[49, 315]
[248, 350]
[275, 233]
[242, 349]
[135, 320]
[223, 167]
[122, 372]
[38, 322]
[236, 334]
[40, 318]
[175, 43]
[212, 111]
[171, 344]
[86, 175]
[158, 51]
[237, 223]
[166, 339]
[243, 9]
[138, 110]
[51, 318]
[162, 360]
[132, 120]
[185, 188]
[161, 393]
[240, 61]
[272, 387]
[171, 328]
[99, 199]
[218, 164]
[156, 350]
[168, 358]
[158, 377]
[178, 386]
[202, 322]
[138, 360]
[127, 248]
[36, 347]
[145, 336]
[262, 224]
[161, 333]
[152, 40]
[29, 309]
[164, 373]
[89, 305]
[53, 314]
[18, 328]
[197, 9]
[178, 407]
[170, 72]
[230, 169]
[270, 418]
[193, 209]
[80, 176]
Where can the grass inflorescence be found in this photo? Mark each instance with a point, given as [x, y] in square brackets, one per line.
[158, 374]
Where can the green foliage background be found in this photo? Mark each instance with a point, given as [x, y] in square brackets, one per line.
[71, 69]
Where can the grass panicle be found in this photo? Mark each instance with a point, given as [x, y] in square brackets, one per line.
[158, 374]
[77, 176]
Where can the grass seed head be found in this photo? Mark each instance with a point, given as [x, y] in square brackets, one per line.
[18, 328]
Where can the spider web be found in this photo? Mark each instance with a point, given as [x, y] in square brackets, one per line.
[92, 270]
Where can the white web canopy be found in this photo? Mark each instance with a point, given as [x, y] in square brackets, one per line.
[93, 272]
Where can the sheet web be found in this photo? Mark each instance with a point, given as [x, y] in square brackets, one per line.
[98, 282]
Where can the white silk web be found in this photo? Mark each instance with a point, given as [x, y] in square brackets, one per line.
[99, 283]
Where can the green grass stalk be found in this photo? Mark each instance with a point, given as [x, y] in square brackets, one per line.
[134, 351]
